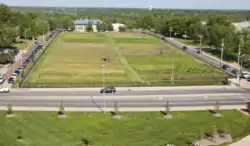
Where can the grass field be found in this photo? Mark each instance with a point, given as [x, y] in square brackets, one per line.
[134, 129]
[67, 62]
[74, 59]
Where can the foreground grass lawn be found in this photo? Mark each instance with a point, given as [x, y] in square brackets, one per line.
[134, 129]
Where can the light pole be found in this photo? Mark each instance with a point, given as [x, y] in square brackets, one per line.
[102, 68]
[25, 33]
[172, 76]
[13, 60]
[222, 50]
[200, 43]
[239, 52]
[185, 35]
[170, 30]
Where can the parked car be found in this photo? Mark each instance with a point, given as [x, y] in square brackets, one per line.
[245, 74]
[1, 79]
[108, 90]
[225, 67]
[4, 90]
[17, 72]
[234, 71]
[11, 80]
[20, 69]
[14, 76]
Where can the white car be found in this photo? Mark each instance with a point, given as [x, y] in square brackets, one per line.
[1, 79]
[245, 75]
[14, 76]
[4, 90]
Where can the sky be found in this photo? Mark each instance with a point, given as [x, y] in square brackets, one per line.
[173, 4]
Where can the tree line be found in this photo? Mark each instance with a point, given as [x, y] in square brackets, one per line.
[212, 27]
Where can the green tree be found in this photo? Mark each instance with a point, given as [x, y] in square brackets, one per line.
[9, 111]
[217, 106]
[115, 107]
[89, 27]
[167, 107]
[122, 29]
[61, 109]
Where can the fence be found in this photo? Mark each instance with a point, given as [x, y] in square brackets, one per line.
[34, 62]
[204, 58]
[126, 84]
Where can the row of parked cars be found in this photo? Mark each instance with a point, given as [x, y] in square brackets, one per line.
[243, 74]
[19, 70]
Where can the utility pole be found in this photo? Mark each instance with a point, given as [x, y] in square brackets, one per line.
[172, 76]
[102, 66]
[170, 30]
[239, 73]
[222, 51]
[200, 43]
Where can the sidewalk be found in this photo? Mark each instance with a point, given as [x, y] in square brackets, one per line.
[243, 142]
[19, 59]
[95, 109]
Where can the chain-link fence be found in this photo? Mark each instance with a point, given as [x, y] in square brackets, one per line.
[34, 61]
[127, 84]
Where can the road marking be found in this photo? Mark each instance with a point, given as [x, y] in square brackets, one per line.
[244, 98]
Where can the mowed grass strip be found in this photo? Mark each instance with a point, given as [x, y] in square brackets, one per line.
[154, 63]
[129, 35]
[132, 74]
[77, 63]
[134, 129]
[137, 40]
[83, 37]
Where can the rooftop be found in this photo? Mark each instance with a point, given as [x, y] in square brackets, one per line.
[87, 21]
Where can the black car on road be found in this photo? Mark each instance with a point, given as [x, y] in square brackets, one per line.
[108, 90]
[11, 80]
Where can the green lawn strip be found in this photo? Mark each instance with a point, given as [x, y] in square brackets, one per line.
[41, 64]
[137, 40]
[129, 70]
[134, 129]
[81, 40]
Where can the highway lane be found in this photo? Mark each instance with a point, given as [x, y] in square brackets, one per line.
[103, 101]
[123, 93]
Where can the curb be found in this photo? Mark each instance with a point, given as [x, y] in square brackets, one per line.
[74, 109]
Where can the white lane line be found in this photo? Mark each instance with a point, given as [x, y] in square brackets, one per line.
[244, 98]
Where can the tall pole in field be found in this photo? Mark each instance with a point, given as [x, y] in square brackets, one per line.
[102, 66]
[172, 76]
[239, 52]
[200, 43]
[222, 51]
[170, 30]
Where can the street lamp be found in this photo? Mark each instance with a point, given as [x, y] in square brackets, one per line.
[200, 43]
[13, 60]
[102, 68]
[25, 31]
[170, 30]
[172, 76]
[239, 52]
[222, 50]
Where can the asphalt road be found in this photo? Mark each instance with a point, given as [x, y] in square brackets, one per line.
[143, 99]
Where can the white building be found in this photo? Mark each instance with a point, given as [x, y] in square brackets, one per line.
[117, 25]
[81, 24]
